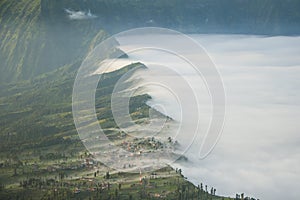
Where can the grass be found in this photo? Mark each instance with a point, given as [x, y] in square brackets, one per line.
[42, 156]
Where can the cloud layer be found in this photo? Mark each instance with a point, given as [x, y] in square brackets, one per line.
[259, 152]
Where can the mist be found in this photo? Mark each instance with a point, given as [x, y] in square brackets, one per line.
[258, 153]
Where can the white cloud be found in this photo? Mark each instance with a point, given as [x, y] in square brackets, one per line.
[79, 15]
[259, 152]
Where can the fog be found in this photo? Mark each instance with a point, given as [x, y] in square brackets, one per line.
[259, 152]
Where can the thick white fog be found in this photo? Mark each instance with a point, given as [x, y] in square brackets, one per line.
[259, 150]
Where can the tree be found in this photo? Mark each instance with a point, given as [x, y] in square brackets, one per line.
[107, 175]
[15, 171]
[179, 171]
[2, 186]
[116, 192]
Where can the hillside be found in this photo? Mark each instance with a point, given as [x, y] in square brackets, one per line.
[31, 44]
[42, 156]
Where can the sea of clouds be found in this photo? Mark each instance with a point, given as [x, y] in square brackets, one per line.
[258, 153]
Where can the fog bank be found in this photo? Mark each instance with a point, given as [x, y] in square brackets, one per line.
[259, 152]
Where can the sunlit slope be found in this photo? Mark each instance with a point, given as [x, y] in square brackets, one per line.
[19, 33]
[38, 112]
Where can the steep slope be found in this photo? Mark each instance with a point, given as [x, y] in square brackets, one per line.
[19, 34]
[38, 112]
[31, 44]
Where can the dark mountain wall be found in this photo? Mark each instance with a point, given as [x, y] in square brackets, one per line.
[202, 16]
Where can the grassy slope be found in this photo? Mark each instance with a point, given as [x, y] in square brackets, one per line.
[165, 184]
[37, 122]
[40, 110]
[19, 32]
